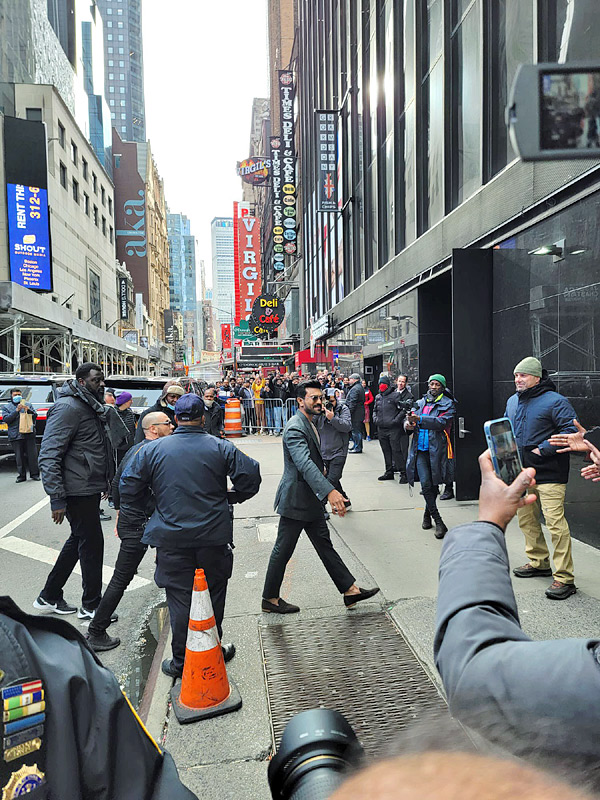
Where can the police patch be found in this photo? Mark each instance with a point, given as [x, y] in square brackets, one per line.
[22, 750]
[22, 782]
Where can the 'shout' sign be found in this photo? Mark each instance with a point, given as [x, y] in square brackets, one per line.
[248, 272]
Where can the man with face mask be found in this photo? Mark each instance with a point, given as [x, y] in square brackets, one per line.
[22, 443]
[213, 414]
[77, 467]
[389, 414]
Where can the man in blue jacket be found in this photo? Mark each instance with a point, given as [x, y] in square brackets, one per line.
[191, 527]
[537, 412]
[23, 444]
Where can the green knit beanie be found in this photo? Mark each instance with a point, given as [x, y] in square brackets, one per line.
[438, 377]
[529, 366]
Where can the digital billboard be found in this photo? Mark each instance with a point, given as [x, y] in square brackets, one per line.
[29, 236]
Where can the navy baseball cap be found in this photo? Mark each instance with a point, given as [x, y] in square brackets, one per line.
[189, 407]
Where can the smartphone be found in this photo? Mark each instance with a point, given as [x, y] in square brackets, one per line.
[503, 447]
[593, 437]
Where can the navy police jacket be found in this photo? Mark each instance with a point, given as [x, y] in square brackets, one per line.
[188, 473]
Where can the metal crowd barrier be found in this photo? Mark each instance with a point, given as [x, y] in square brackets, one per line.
[267, 417]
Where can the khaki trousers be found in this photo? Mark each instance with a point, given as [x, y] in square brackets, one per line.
[551, 497]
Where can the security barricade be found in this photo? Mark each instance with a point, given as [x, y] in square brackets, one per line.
[266, 416]
[291, 406]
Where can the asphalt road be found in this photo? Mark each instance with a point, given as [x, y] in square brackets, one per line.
[29, 545]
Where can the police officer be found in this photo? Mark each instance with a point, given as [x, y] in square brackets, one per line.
[191, 526]
[82, 739]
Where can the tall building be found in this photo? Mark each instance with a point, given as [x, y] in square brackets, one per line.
[141, 234]
[60, 43]
[124, 70]
[223, 285]
[182, 279]
[447, 251]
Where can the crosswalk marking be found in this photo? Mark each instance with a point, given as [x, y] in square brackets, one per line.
[47, 555]
[9, 528]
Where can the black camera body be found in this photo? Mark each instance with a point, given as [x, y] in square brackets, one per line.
[329, 405]
[407, 405]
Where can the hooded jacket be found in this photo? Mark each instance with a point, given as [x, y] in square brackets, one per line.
[334, 433]
[388, 414]
[160, 405]
[76, 455]
[436, 423]
[536, 414]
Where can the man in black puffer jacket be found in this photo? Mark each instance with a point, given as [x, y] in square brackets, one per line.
[388, 415]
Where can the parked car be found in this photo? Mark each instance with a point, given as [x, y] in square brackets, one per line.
[146, 391]
[39, 390]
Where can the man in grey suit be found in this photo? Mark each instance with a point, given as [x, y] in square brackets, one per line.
[518, 692]
[299, 502]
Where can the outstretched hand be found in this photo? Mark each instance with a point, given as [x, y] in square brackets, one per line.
[570, 442]
[499, 502]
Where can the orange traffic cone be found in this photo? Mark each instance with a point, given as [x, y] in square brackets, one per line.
[204, 690]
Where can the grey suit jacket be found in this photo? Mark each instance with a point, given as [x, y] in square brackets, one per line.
[524, 694]
[303, 487]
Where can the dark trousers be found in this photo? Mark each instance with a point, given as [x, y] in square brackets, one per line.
[26, 455]
[175, 570]
[86, 545]
[333, 472]
[287, 538]
[430, 492]
[394, 444]
[130, 556]
[357, 436]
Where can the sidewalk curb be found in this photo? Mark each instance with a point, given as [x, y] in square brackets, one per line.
[155, 700]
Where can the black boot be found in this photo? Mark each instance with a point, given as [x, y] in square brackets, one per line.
[426, 521]
[440, 529]
[448, 493]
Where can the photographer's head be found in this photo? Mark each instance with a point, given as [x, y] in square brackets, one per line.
[310, 397]
[436, 384]
[528, 373]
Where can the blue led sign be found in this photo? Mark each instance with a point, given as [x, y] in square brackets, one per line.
[29, 236]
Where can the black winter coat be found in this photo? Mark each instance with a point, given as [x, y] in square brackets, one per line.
[213, 419]
[388, 414]
[158, 406]
[355, 400]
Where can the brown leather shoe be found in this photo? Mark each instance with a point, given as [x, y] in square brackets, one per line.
[560, 591]
[529, 571]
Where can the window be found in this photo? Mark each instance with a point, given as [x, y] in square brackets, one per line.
[96, 216]
[76, 191]
[63, 175]
[121, 90]
[84, 168]
[111, 234]
[510, 32]
[121, 63]
[111, 76]
[123, 128]
[121, 51]
[103, 195]
[73, 152]
[111, 63]
[119, 24]
[123, 116]
[431, 188]
[80, 313]
[120, 11]
[120, 37]
[61, 135]
[86, 203]
[104, 225]
[109, 37]
[111, 89]
[95, 182]
[109, 10]
[466, 103]
[95, 301]
[110, 206]
[109, 24]
[33, 114]
[121, 76]
[111, 102]
[113, 115]
[110, 50]
[122, 103]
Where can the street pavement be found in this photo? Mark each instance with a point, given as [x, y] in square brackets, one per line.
[383, 544]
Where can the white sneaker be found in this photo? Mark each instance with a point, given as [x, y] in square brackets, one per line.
[84, 613]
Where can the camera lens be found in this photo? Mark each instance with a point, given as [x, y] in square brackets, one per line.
[316, 748]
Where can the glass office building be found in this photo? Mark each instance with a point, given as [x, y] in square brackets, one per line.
[430, 264]
[182, 278]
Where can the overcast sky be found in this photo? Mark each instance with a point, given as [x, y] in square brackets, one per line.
[204, 62]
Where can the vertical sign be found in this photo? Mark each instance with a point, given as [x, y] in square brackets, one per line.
[288, 160]
[240, 211]
[327, 161]
[226, 337]
[248, 274]
[277, 204]
[123, 303]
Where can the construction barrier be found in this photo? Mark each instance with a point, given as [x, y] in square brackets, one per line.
[233, 418]
[204, 691]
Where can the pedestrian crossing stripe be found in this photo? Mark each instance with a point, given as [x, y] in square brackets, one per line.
[24, 711]
[21, 724]
[23, 699]
[21, 688]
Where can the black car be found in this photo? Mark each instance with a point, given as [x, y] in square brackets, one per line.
[40, 391]
[146, 391]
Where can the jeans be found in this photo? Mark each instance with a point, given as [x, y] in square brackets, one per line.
[357, 437]
[287, 538]
[175, 570]
[551, 497]
[86, 545]
[394, 444]
[26, 455]
[277, 415]
[269, 414]
[430, 492]
[333, 472]
[130, 556]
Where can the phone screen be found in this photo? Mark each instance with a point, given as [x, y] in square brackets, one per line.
[503, 446]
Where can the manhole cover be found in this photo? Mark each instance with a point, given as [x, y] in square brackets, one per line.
[360, 665]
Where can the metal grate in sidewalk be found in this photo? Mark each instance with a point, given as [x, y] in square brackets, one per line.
[358, 664]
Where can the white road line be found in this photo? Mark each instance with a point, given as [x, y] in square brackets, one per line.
[47, 555]
[23, 517]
